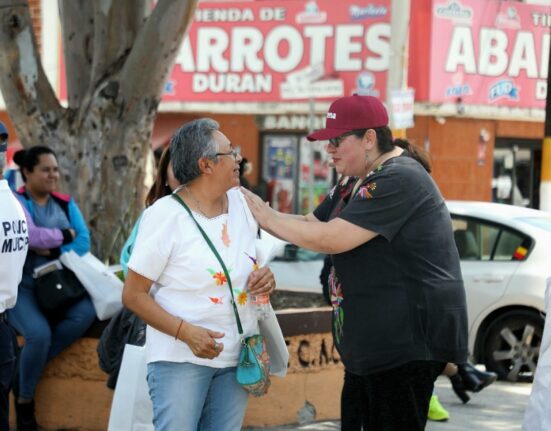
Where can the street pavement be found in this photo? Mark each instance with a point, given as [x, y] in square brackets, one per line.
[499, 407]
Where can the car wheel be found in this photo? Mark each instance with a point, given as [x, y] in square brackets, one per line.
[512, 346]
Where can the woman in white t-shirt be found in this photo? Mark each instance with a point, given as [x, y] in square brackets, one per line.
[177, 286]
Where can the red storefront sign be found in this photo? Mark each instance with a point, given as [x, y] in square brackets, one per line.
[489, 52]
[274, 51]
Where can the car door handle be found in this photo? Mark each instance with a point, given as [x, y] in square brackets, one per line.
[490, 278]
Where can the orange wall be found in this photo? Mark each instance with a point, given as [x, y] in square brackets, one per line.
[241, 130]
[453, 148]
[520, 129]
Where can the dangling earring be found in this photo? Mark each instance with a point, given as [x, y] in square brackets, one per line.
[366, 156]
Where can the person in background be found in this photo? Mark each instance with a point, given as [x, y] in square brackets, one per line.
[245, 169]
[45, 340]
[13, 251]
[177, 286]
[463, 377]
[399, 308]
[125, 327]
[164, 184]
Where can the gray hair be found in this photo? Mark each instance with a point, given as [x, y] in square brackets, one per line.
[191, 142]
[3, 163]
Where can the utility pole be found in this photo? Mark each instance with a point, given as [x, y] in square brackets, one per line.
[545, 186]
[398, 64]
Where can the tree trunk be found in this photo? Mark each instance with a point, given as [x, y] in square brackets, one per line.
[117, 61]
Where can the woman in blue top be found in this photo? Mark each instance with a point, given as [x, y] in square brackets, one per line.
[45, 340]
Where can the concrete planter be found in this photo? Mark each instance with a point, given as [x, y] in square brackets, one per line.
[73, 395]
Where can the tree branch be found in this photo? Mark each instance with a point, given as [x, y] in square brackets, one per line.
[30, 99]
[77, 27]
[116, 26]
[153, 55]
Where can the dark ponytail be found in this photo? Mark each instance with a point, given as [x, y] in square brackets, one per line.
[28, 159]
[386, 144]
[415, 152]
[160, 187]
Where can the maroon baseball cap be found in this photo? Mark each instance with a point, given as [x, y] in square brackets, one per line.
[351, 113]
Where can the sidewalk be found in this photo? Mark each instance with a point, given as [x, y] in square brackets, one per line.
[499, 407]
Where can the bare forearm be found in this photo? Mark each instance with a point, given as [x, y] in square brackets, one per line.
[334, 237]
[302, 232]
[152, 313]
[296, 217]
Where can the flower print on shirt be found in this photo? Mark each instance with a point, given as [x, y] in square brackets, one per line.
[364, 192]
[332, 192]
[225, 237]
[216, 300]
[240, 296]
[219, 277]
[337, 297]
[254, 261]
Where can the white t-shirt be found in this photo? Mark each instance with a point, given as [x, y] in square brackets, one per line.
[14, 242]
[189, 282]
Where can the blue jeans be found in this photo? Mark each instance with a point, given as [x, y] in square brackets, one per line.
[43, 342]
[194, 397]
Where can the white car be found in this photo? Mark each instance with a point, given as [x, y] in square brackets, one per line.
[505, 260]
[505, 256]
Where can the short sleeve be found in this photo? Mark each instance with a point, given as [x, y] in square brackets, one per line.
[153, 244]
[382, 203]
[323, 210]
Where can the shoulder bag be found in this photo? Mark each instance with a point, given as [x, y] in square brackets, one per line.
[56, 288]
[253, 368]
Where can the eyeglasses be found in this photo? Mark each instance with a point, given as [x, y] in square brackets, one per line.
[232, 152]
[335, 142]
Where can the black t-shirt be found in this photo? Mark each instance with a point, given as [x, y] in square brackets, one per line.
[399, 297]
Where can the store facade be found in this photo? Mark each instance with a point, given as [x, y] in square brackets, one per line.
[480, 74]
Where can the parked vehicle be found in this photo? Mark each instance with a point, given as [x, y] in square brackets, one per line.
[505, 256]
[505, 252]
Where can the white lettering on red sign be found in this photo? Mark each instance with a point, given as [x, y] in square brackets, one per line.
[493, 57]
[246, 49]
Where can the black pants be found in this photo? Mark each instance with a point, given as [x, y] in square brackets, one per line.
[7, 368]
[353, 402]
[391, 400]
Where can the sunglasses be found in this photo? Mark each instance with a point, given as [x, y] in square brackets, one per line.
[335, 142]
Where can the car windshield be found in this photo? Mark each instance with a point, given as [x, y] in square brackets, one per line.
[541, 222]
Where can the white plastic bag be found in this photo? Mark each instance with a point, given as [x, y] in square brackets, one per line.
[132, 409]
[275, 344]
[537, 416]
[102, 285]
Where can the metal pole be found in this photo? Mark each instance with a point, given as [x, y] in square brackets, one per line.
[545, 186]
[311, 120]
[397, 68]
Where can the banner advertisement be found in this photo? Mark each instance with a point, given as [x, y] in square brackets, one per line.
[273, 51]
[489, 52]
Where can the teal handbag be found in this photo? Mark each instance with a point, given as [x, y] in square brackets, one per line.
[253, 368]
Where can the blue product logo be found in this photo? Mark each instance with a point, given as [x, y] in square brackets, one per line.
[169, 88]
[365, 84]
[459, 90]
[503, 89]
[454, 10]
[369, 11]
